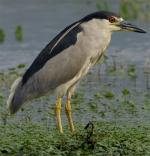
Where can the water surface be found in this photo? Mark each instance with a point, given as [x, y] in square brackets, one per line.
[41, 21]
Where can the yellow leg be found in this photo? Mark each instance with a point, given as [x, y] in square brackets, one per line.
[58, 115]
[69, 114]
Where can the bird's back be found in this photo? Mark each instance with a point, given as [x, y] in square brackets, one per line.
[62, 41]
[76, 47]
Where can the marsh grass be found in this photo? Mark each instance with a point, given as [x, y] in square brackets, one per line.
[122, 129]
[102, 139]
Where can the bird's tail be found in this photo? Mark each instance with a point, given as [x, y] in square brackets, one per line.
[15, 100]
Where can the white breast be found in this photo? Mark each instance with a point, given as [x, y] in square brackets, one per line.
[92, 41]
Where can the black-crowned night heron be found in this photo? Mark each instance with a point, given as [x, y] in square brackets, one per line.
[66, 60]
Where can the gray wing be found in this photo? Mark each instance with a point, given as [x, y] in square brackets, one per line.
[56, 71]
[62, 41]
[58, 63]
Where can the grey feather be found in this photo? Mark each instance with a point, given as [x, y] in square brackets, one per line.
[61, 73]
[62, 41]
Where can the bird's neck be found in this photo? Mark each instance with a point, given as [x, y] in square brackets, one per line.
[96, 36]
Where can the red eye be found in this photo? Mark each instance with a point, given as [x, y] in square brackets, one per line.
[111, 19]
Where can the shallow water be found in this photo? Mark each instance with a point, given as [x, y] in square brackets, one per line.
[41, 21]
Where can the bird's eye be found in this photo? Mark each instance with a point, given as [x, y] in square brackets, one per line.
[111, 19]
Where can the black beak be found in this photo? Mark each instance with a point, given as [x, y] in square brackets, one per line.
[129, 27]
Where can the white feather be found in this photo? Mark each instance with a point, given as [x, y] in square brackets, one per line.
[12, 91]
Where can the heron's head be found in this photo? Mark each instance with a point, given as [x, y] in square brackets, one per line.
[113, 22]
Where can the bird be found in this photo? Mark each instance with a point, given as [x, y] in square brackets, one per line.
[65, 60]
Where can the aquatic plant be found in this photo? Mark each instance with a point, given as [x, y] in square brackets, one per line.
[131, 10]
[125, 92]
[98, 138]
[103, 5]
[19, 33]
[2, 35]
[132, 71]
[21, 66]
[32, 132]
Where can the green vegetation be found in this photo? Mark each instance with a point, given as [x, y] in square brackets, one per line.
[2, 35]
[132, 71]
[21, 66]
[98, 139]
[118, 108]
[125, 92]
[103, 5]
[131, 10]
[109, 95]
[19, 33]
[124, 111]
